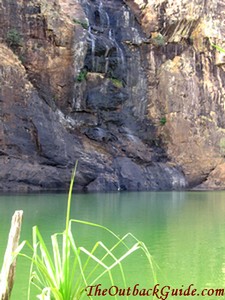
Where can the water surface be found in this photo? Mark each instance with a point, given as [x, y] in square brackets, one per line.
[184, 232]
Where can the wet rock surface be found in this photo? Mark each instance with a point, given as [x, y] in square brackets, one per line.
[131, 89]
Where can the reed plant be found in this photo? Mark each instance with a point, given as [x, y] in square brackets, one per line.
[66, 270]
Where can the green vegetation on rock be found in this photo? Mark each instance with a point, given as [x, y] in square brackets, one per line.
[162, 121]
[84, 24]
[13, 38]
[116, 82]
[158, 39]
[82, 75]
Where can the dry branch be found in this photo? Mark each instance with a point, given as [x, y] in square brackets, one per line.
[9, 264]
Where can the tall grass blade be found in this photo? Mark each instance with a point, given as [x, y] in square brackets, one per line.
[218, 48]
[66, 271]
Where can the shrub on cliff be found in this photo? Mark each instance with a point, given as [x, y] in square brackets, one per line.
[13, 39]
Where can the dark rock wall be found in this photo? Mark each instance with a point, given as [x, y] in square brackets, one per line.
[116, 51]
[74, 85]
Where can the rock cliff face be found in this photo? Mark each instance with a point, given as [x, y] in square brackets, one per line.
[132, 89]
[187, 83]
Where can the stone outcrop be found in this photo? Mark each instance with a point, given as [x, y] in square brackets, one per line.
[132, 89]
[186, 83]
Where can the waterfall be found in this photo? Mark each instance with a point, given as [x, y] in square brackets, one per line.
[106, 59]
[92, 40]
[115, 50]
[105, 54]
[102, 13]
[110, 105]
[120, 54]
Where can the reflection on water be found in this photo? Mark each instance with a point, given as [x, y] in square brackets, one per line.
[184, 231]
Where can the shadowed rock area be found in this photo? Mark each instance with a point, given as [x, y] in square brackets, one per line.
[131, 89]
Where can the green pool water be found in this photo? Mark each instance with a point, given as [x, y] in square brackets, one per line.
[184, 232]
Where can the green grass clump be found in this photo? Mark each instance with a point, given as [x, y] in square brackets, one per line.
[82, 23]
[158, 39]
[162, 121]
[116, 82]
[66, 270]
[82, 75]
[13, 38]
